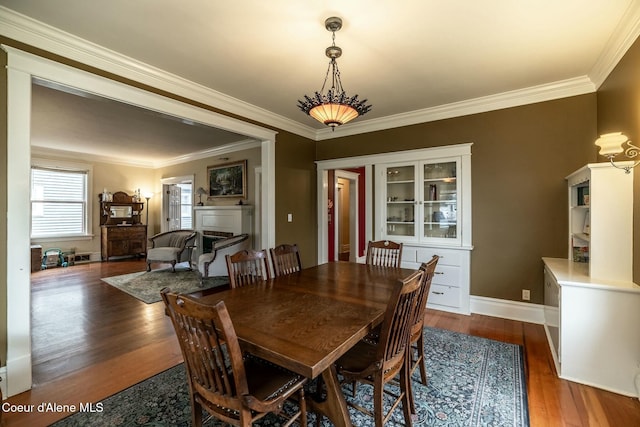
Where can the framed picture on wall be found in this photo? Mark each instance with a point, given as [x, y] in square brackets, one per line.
[228, 180]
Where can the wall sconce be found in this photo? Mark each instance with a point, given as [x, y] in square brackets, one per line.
[200, 191]
[612, 144]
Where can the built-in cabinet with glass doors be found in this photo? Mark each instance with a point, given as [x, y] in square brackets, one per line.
[424, 201]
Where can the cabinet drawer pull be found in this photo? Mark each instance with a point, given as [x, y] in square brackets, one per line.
[438, 272]
[438, 293]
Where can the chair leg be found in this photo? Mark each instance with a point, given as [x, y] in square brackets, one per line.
[378, 410]
[302, 404]
[421, 360]
[408, 404]
[173, 266]
[196, 414]
[148, 266]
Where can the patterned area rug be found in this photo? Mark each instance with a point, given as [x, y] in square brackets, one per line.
[472, 382]
[146, 286]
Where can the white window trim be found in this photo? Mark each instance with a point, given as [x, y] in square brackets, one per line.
[68, 166]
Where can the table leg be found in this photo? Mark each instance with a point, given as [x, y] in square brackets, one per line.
[334, 406]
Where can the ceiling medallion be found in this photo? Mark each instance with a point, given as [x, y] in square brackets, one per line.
[335, 107]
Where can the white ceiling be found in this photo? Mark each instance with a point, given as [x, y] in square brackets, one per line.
[414, 60]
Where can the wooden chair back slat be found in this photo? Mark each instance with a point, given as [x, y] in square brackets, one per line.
[286, 259]
[429, 269]
[384, 253]
[210, 348]
[396, 326]
[248, 267]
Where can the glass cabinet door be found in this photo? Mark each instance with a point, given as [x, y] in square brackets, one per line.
[440, 200]
[401, 206]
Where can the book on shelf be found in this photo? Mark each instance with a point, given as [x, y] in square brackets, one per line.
[580, 254]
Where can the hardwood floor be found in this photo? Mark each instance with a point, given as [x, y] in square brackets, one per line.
[90, 340]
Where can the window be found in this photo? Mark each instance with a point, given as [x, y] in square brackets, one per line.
[186, 205]
[59, 202]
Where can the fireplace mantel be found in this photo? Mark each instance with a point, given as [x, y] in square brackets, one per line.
[222, 221]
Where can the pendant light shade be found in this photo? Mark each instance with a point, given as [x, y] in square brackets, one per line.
[333, 108]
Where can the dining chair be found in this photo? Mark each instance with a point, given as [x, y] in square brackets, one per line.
[416, 335]
[379, 365]
[286, 259]
[234, 387]
[384, 253]
[247, 267]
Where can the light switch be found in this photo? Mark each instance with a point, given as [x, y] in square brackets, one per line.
[290, 217]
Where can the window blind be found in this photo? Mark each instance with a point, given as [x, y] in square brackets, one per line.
[58, 202]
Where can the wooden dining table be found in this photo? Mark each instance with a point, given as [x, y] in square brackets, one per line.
[306, 320]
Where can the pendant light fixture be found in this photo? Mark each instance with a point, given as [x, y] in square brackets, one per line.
[333, 107]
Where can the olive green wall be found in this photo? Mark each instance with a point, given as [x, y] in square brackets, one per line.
[296, 195]
[520, 157]
[619, 111]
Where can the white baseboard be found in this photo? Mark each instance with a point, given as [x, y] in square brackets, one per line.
[506, 309]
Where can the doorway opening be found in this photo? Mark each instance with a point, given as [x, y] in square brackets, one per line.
[346, 219]
[346, 216]
[177, 203]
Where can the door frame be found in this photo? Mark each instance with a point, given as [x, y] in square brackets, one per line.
[22, 67]
[323, 168]
[165, 182]
[353, 179]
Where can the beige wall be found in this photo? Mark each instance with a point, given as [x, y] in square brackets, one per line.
[198, 168]
[619, 111]
[114, 178]
[520, 157]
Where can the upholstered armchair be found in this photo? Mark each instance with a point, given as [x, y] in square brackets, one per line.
[214, 264]
[171, 247]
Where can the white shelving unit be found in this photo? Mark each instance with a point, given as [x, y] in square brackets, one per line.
[591, 304]
[601, 220]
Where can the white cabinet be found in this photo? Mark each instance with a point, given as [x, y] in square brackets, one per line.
[592, 327]
[425, 202]
[450, 284]
[601, 221]
[592, 307]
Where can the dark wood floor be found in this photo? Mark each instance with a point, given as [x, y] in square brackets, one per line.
[91, 340]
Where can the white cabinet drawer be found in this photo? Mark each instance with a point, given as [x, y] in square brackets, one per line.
[447, 256]
[409, 254]
[443, 295]
[446, 275]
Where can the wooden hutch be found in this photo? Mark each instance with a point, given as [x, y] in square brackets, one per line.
[122, 232]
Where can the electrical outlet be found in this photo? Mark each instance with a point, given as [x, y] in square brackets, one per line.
[526, 295]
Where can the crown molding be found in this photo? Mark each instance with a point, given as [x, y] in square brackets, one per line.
[35, 33]
[624, 36]
[212, 152]
[92, 157]
[515, 98]
[89, 157]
